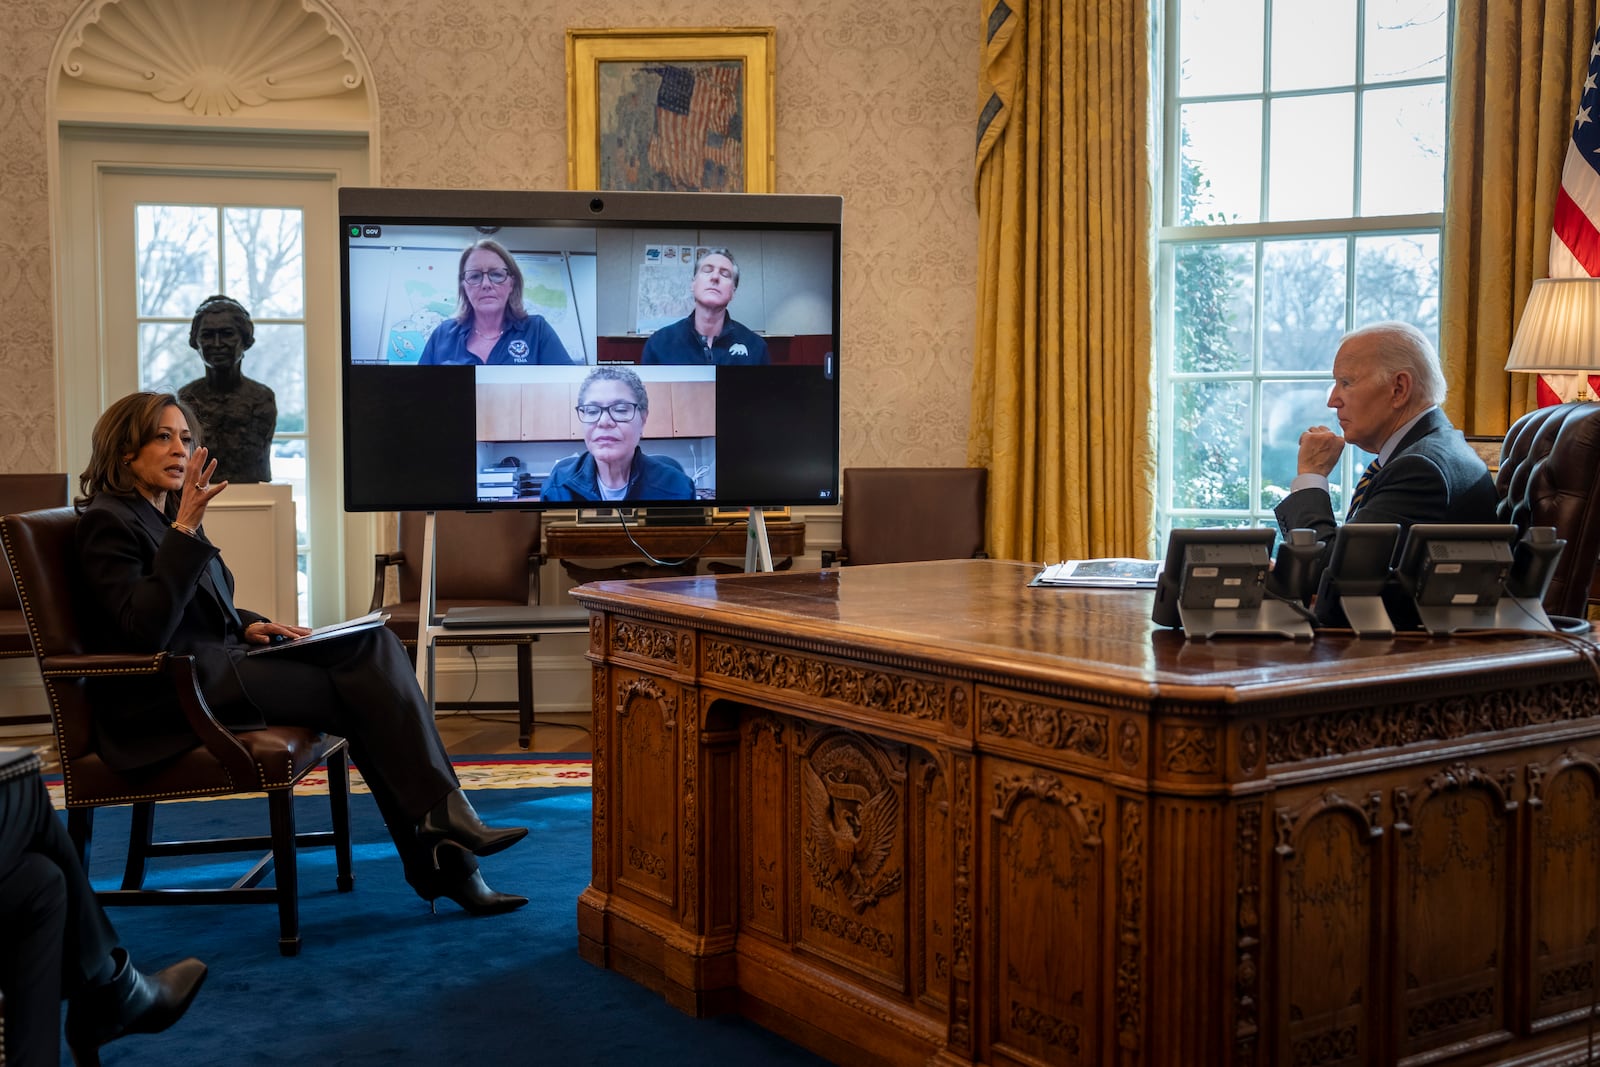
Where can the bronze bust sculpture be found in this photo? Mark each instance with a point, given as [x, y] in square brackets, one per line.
[237, 414]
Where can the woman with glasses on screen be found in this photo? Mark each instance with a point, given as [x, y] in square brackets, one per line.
[613, 407]
[491, 326]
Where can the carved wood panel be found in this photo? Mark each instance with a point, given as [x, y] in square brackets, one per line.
[1326, 902]
[1564, 872]
[764, 833]
[1452, 904]
[647, 787]
[1047, 909]
[930, 871]
[850, 807]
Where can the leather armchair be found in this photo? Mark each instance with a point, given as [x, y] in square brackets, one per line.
[1549, 474]
[902, 514]
[40, 546]
[23, 492]
[481, 559]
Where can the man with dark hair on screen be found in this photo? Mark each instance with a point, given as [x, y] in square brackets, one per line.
[708, 335]
[1387, 387]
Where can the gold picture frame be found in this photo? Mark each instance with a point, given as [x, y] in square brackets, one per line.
[618, 81]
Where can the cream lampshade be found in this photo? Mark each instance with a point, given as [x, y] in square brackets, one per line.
[1560, 330]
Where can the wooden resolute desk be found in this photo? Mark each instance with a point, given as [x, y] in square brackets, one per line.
[921, 812]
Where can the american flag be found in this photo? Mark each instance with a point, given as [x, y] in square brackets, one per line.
[1575, 243]
[695, 108]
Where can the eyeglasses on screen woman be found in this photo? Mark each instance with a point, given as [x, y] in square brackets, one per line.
[476, 277]
[622, 411]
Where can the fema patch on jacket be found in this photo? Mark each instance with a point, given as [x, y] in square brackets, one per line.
[518, 350]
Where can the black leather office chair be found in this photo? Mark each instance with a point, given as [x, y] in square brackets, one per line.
[1549, 476]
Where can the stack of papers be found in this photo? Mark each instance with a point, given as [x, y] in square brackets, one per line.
[1101, 573]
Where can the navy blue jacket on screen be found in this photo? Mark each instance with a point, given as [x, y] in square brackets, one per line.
[678, 343]
[649, 478]
[526, 342]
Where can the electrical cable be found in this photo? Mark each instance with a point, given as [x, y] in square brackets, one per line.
[716, 529]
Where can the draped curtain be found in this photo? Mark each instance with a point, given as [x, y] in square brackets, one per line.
[1062, 372]
[1516, 74]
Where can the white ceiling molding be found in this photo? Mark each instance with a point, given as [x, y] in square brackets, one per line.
[212, 59]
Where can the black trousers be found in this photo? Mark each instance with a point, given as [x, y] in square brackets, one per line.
[361, 686]
[54, 936]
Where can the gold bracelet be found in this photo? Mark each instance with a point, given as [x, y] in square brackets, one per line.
[181, 528]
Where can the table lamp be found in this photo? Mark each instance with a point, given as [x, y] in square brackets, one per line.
[1560, 330]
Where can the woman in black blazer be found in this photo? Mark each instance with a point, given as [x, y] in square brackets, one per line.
[145, 560]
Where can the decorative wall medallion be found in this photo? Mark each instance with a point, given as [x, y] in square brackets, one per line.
[892, 694]
[1189, 749]
[646, 641]
[1046, 725]
[214, 59]
[851, 825]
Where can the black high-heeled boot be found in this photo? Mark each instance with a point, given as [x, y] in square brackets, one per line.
[131, 1003]
[453, 822]
[476, 898]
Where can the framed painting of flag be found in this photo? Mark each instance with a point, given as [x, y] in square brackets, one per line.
[671, 110]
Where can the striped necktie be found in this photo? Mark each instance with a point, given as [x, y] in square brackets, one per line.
[1361, 488]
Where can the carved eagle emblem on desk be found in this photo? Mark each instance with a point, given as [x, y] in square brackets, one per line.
[849, 834]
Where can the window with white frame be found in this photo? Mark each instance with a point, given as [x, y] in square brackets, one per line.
[188, 252]
[1303, 148]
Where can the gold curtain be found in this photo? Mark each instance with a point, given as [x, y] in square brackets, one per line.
[1516, 75]
[1062, 373]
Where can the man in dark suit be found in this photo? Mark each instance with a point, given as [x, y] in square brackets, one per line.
[1387, 387]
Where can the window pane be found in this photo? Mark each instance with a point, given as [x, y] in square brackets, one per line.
[1397, 279]
[1402, 150]
[177, 258]
[1313, 44]
[1287, 410]
[1211, 425]
[166, 361]
[265, 261]
[289, 465]
[1313, 161]
[1302, 304]
[1406, 39]
[1213, 308]
[1221, 161]
[1220, 47]
[277, 360]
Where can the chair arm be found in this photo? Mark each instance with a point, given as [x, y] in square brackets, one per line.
[179, 671]
[381, 562]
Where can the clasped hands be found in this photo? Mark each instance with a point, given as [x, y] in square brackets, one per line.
[1320, 449]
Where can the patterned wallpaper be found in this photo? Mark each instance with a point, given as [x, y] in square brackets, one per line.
[875, 102]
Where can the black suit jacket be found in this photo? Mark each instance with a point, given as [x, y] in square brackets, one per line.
[151, 587]
[1433, 476]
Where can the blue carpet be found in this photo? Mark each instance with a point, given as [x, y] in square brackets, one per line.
[380, 981]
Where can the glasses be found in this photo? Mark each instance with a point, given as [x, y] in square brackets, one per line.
[476, 277]
[619, 412]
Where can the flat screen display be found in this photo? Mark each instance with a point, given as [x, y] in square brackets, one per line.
[578, 349]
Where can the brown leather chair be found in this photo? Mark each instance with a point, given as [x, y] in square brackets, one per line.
[23, 492]
[903, 514]
[273, 761]
[481, 559]
[1549, 476]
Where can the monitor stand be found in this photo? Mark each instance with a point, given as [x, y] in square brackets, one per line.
[1509, 613]
[1367, 616]
[426, 624]
[1272, 618]
[757, 549]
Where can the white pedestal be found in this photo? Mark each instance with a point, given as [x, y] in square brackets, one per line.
[253, 525]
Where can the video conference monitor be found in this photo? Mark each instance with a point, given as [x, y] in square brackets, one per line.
[532, 350]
